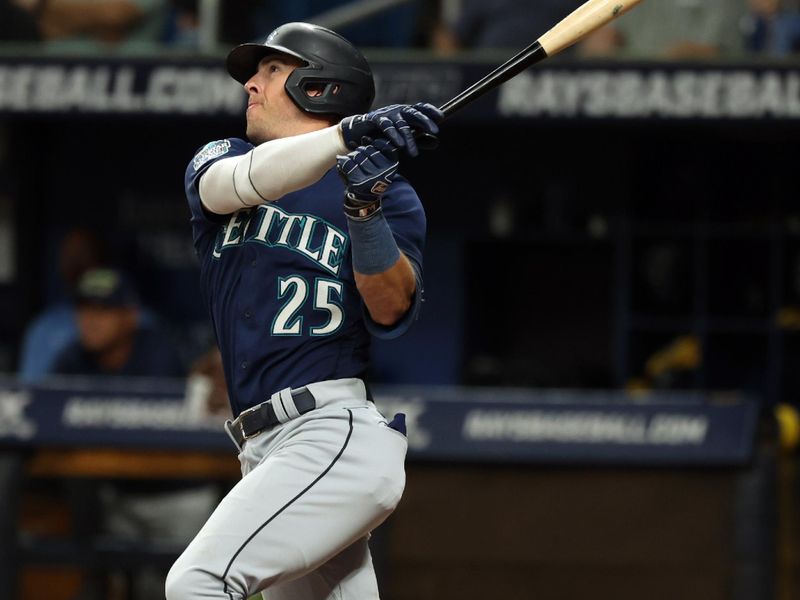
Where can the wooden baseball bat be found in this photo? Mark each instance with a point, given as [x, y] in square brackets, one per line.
[585, 19]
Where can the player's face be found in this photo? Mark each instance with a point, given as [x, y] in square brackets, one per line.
[271, 114]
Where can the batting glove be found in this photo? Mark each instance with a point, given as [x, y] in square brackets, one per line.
[396, 123]
[367, 173]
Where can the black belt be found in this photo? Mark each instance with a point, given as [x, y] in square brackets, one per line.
[262, 417]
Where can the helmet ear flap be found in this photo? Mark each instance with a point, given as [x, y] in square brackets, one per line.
[332, 89]
[320, 89]
[331, 92]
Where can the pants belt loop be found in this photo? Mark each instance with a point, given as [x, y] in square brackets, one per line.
[287, 402]
[277, 406]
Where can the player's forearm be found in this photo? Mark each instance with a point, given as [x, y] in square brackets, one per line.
[388, 295]
[270, 171]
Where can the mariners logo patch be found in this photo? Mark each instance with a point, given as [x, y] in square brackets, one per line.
[209, 152]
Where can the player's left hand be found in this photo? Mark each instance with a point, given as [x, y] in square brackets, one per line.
[397, 123]
[367, 173]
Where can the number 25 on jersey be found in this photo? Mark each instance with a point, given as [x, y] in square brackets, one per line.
[294, 291]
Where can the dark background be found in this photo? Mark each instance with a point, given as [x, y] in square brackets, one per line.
[559, 253]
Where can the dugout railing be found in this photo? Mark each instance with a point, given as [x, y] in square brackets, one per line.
[543, 487]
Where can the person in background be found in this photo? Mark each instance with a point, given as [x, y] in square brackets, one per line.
[183, 25]
[392, 28]
[52, 330]
[94, 25]
[112, 343]
[207, 392]
[55, 328]
[773, 27]
[674, 30]
[498, 23]
[110, 339]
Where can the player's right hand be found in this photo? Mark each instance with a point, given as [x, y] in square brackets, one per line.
[397, 123]
[367, 172]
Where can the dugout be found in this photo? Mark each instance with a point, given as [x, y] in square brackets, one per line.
[582, 221]
[595, 230]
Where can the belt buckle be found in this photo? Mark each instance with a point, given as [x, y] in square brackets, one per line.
[246, 437]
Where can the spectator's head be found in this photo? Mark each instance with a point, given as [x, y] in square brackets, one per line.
[80, 251]
[765, 7]
[107, 307]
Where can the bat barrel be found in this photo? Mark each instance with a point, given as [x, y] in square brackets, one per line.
[585, 19]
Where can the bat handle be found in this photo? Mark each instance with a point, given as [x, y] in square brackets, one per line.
[426, 141]
[518, 63]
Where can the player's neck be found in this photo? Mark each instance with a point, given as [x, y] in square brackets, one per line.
[308, 124]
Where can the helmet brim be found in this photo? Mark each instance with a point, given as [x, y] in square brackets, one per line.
[242, 62]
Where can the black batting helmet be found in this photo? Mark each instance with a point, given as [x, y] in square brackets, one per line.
[331, 62]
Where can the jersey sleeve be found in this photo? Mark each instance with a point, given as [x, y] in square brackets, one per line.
[406, 217]
[203, 159]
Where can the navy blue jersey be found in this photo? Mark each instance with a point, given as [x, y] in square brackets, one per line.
[278, 281]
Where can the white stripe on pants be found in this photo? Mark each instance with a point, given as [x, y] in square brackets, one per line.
[296, 525]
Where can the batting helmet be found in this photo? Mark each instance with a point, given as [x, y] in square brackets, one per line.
[332, 65]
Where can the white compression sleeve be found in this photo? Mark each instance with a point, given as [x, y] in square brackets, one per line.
[270, 171]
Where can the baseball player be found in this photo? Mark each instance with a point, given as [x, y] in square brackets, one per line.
[309, 242]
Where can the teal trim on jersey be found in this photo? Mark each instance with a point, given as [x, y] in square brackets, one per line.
[253, 227]
[292, 315]
[338, 284]
[241, 220]
[263, 210]
[216, 254]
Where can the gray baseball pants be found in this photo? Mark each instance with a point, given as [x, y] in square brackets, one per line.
[296, 526]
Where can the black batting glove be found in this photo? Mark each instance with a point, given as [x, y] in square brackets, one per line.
[367, 173]
[396, 123]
